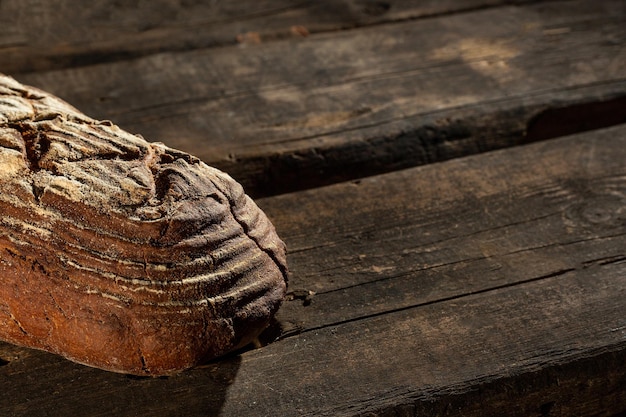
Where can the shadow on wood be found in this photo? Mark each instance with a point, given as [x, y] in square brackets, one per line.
[68, 388]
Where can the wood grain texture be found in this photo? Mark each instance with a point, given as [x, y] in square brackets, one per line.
[297, 113]
[501, 291]
[123, 254]
[450, 229]
[108, 30]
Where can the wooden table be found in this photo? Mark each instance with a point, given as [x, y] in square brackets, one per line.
[449, 177]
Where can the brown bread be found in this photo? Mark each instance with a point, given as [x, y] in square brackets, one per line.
[123, 254]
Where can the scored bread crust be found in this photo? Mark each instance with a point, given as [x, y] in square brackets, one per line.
[123, 254]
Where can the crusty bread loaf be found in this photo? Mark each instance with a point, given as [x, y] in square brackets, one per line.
[123, 254]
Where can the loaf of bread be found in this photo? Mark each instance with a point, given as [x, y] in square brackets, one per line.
[122, 254]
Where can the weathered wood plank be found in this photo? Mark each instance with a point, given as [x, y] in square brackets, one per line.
[297, 113]
[52, 34]
[545, 333]
[442, 231]
[418, 356]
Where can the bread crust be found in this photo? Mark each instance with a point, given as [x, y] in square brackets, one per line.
[123, 254]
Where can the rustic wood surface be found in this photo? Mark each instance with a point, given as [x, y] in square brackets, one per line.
[488, 285]
[450, 230]
[453, 288]
[110, 30]
[300, 112]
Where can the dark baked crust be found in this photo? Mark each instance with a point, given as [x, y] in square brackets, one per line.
[123, 254]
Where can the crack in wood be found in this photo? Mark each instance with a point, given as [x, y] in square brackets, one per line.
[608, 260]
[602, 261]
[467, 294]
